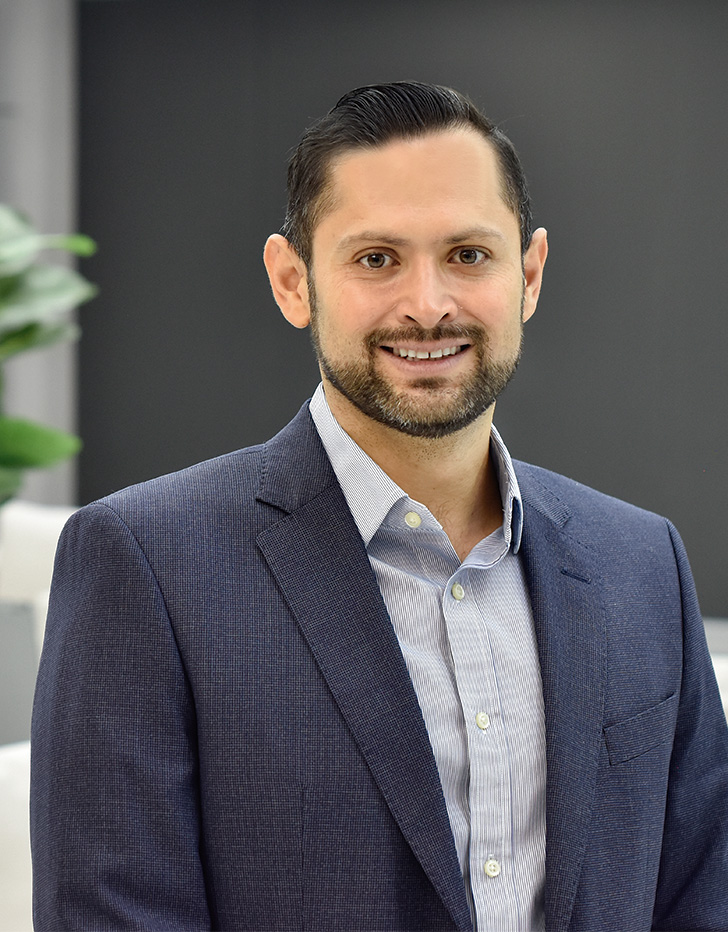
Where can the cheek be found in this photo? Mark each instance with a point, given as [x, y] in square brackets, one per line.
[501, 318]
[498, 309]
[340, 331]
[351, 316]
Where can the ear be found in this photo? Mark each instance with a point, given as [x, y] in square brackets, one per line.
[288, 279]
[533, 263]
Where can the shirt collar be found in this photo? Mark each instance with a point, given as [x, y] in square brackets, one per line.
[371, 494]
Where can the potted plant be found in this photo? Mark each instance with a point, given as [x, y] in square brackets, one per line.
[35, 298]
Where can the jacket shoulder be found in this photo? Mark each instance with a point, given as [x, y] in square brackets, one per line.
[245, 487]
[565, 499]
[211, 483]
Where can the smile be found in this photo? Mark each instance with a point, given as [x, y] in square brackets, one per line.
[424, 354]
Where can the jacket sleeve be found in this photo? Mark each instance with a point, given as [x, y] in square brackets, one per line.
[114, 776]
[692, 889]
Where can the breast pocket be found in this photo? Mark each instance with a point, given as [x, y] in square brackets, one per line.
[635, 736]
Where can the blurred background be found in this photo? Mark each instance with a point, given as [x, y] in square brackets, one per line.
[162, 128]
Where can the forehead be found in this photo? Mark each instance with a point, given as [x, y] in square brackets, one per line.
[452, 176]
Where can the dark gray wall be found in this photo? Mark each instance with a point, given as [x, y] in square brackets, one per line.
[188, 110]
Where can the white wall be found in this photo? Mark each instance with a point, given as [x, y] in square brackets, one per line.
[37, 176]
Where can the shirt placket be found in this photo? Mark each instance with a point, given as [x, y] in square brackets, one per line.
[489, 795]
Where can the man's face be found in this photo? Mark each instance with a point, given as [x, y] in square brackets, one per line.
[416, 284]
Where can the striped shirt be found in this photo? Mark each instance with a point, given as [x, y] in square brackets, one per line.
[467, 636]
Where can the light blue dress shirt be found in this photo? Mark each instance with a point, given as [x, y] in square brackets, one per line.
[467, 636]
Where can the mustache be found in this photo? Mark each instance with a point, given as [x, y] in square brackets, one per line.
[470, 332]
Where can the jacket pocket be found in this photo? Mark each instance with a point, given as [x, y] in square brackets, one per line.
[636, 735]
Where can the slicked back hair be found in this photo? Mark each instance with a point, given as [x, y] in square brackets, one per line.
[371, 116]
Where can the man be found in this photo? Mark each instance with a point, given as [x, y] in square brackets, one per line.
[372, 675]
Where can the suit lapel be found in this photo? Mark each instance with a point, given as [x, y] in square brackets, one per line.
[565, 589]
[319, 561]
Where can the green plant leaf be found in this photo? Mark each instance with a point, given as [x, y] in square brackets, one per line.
[10, 482]
[20, 243]
[12, 223]
[24, 443]
[77, 243]
[41, 294]
[9, 284]
[34, 299]
[36, 336]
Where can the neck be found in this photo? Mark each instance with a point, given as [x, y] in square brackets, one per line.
[452, 476]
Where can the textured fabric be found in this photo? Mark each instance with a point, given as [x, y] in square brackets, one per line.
[473, 661]
[226, 736]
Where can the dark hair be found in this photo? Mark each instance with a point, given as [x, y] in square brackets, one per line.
[368, 117]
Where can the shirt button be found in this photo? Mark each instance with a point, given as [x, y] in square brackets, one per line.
[458, 592]
[482, 720]
[412, 519]
[492, 867]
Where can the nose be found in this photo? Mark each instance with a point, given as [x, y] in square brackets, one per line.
[425, 297]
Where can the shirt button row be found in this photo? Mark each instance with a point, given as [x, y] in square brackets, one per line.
[458, 593]
[412, 519]
[491, 867]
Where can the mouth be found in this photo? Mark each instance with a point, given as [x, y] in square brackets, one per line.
[405, 352]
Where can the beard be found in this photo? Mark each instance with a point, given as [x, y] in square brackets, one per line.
[432, 406]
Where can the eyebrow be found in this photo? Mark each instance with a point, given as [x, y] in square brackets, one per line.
[370, 236]
[387, 239]
[473, 233]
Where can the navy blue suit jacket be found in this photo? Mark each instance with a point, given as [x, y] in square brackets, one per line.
[225, 734]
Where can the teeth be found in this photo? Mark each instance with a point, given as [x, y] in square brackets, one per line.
[421, 354]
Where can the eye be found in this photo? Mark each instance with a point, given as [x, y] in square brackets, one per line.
[375, 260]
[468, 255]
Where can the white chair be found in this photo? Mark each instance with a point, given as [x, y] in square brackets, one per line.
[28, 537]
[15, 872]
[720, 665]
[716, 630]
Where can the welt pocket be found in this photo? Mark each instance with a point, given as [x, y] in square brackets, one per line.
[636, 735]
